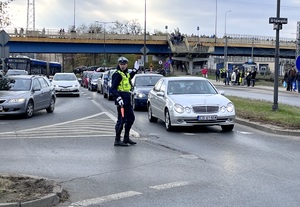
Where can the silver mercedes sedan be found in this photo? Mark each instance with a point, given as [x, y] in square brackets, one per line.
[189, 101]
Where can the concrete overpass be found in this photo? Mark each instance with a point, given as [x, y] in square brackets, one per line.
[53, 42]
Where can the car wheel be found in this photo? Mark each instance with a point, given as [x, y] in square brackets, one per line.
[150, 117]
[50, 109]
[227, 128]
[168, 123]
[133, 104]
[29, 109]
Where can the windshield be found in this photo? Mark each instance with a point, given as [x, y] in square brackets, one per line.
[64, 77]
[146, 80]
[190, 87]
[18, 84]
[96, 75]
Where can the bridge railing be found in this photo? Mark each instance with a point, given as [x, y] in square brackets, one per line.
[193, 40]
[245, 40]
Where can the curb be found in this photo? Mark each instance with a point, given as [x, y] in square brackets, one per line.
[52, 199]
[268, 128]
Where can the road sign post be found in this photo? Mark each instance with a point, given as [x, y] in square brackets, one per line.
[277, 25]
[4, 38]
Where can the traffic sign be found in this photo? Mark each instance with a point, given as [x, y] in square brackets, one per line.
[144, 50]
[4, 38]
[160, 62]
[275, 20]
[298, 63]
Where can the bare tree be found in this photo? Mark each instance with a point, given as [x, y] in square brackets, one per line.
[4, 14]
[135, 27]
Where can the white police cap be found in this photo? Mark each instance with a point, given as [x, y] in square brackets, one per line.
[123, 60]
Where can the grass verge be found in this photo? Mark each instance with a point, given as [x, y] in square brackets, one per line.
[261, 111]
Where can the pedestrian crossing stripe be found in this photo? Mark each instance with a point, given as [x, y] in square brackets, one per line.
[82, 127]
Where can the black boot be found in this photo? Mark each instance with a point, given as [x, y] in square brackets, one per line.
[118, 142]
[128, 141]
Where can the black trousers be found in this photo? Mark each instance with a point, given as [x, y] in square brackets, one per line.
[128, 121]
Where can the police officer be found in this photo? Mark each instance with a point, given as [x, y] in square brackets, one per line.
[121, 86]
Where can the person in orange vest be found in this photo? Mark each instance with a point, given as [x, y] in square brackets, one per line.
[151, 67]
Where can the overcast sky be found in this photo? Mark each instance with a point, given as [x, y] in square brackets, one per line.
[249, 17]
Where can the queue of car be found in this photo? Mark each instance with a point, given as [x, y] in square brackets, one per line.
[177, 101]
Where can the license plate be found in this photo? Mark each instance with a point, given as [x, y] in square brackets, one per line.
[1, 108]
[207, 118]
[65, 89]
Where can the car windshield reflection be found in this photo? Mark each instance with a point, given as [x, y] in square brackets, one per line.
[15, 84]
[146, 81]
[64, 77]
[190, 87]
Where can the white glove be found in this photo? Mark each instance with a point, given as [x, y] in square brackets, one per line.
[135, 70]
[120, 101]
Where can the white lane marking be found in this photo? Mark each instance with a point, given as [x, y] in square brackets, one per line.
[58, 124]
[104, 199]
[244, 132]
[189, 134]
[169, 185]
[114, 118]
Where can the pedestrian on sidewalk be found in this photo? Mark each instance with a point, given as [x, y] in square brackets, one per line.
[121, 90]
[253, 76]
[298, 81]
[217, 75]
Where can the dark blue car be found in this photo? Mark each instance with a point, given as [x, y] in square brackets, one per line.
[142, 84]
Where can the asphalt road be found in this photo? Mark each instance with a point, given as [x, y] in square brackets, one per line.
[189, 167]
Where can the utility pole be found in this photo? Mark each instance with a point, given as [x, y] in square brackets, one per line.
[277, 25]
[30, 15]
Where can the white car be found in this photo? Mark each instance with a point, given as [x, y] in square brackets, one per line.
[66, 84]
[189, 101]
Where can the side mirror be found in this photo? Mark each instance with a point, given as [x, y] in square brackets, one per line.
[160, 93]
[222, 92]
[36, 89]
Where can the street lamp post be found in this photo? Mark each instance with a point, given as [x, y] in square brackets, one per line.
[104, 41]
[145, 24]
[198, 28]
[74, 16]
[216, 21]
[226, 40]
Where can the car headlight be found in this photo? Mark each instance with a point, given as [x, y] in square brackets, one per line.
[17, 100]
[230, 107]
[178, 108]
[187, 109]
[140, 95]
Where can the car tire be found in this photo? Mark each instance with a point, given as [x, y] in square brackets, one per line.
[29, 109]
[227, 128]
[51, 107]
[135, 108]
[168, 123]
[151, 118]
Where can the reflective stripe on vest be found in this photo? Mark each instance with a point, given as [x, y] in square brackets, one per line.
[124, 85]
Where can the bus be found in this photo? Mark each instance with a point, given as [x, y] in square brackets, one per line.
[32, 66]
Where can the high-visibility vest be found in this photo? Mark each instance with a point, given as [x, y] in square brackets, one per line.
[124, 85]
